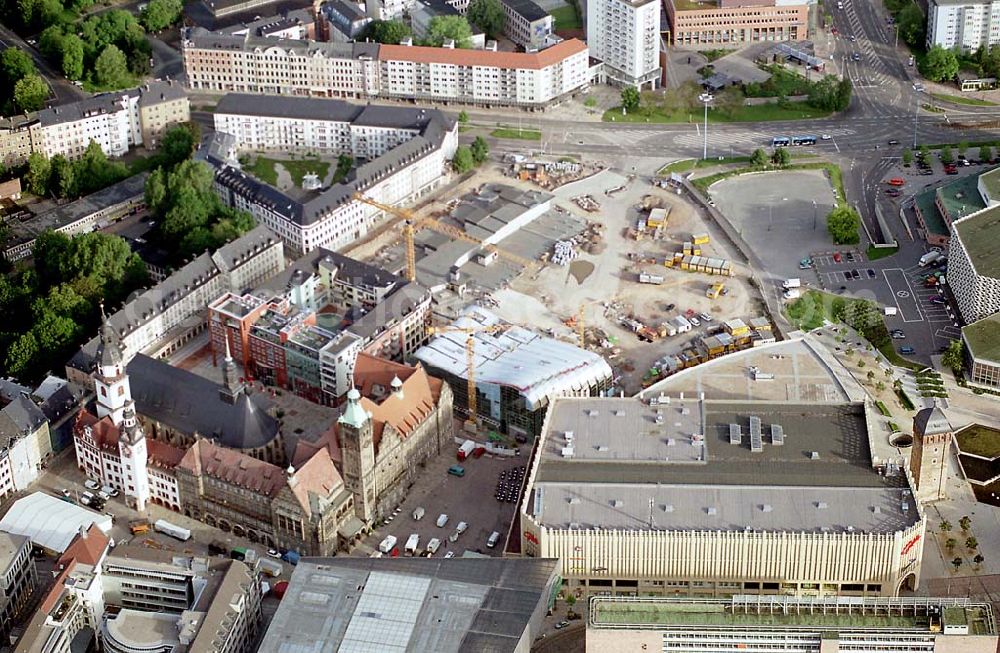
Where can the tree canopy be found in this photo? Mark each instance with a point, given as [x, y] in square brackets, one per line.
[111, 67]
[30, 93]
[444, 28]
[630, 98]
[830, 93]
[940, 64]
[843, 223]
[390, 32]
[160, 14]
[954, 355]
[463, 161]
[63, 179]
[488, 15]
[910, 23]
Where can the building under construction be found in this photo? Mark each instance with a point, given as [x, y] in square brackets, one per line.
[516, 371]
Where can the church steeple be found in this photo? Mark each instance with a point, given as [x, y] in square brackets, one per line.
[134, 457]
[110, 380]
[232, 386]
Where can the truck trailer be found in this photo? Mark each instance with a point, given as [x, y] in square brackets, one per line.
[173, 530]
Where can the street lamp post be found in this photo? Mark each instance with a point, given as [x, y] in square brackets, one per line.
[706, 99]
[916, 111]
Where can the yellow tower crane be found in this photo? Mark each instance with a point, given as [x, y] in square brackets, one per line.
[470, 358]
[413, 223]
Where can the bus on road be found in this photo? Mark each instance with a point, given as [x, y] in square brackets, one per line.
[803, 140]
[780, 141]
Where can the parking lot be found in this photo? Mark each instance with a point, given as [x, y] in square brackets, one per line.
[893, 282]
[470, 498]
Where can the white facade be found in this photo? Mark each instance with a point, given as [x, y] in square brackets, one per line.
[114, 131]
[977, 291]
[965, 24]
[223, 63]
[625, 35]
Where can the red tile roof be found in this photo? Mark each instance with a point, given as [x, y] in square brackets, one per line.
[233, 467]
[87, 548]
[105, 435]
[317, 476]
[484, 58]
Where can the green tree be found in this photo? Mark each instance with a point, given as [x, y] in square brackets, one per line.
[971, 543]
[910, 23]
[729, 101]
[907, 157]
[480, 150]
[454, 28]
[179, 143]
[950, 543]
[759, 158]
[50, 43]
[871, 375]
[945, 526]
[946, 155]
[965, 523]
[924, 152]
[630, 98]
[844, 90]
[111, 68]
[62, 179]
[93, 171]
[160, 14]
[843, 223]
[963, 146]
[390, 32]
[957, 562]
[825, 94]
[979, 559]
[940, 64]
[463, 117]
[463, 161]
[72, 57]
[16, 65]
[39, 173]
[954, 358]
[781, 156]
[879, 387]
[30, 93]
[488, 15]
[985, 153]
[22, 357]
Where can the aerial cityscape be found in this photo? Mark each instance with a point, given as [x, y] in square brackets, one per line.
[487, 326]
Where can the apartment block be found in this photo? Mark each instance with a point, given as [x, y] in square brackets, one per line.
[982, 352]
[734, 23]
[115, 121]
[963, 24]
[527, 25]
[974, 264]
[24, 445]
[404, 149]
[249, 64]
[625, 35]
[19, 578]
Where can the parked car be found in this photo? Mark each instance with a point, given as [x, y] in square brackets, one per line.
[938, 299]
[694, 321]
[837, 258]
[562, 624]
[91, 484]
[705, 317]
[907, 350]
[273, 553]
[871, 273]
[855, 275]
[456, 470]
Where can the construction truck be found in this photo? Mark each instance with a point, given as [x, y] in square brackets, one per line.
[714, 290]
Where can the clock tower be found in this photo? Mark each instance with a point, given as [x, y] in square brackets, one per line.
[110, 380]
[134, 457]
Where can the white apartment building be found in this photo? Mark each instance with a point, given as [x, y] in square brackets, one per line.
[625, 35]
[169, 314]
[965, 24]
[225, 63]
[24, 445]
[405, 152]
[115, 121]
[974, 264]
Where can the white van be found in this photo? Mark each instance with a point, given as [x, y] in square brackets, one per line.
[442, 520]
[433, 546]
[418, 514]
[493, 539]
[412, 543]
[86, 498]
[386, 545]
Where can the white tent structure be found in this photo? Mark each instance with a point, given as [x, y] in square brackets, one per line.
[50, 522]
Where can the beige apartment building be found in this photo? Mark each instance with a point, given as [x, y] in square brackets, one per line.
[733, 23]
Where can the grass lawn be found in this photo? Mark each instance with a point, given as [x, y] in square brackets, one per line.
[264, 169]
[958, 99]
[813, 309]
[514, 132]
[875, 253]
[565, 17]
[980, 441]
[755, 113]
[686, 165]
[90, 87]
[893, 357]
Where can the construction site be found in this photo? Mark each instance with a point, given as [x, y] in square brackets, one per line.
[627, 268]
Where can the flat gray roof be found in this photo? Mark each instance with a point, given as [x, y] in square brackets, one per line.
[408, 605]
[682, 459]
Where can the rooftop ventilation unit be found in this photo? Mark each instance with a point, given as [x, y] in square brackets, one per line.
[821, 505]
[567, 452]
[777, 435]
[619, 413]
[697, 439]
[767, 508]
[876, 510]
[574, 500]
[756, 441]
[617, 503]
[670, 442]
[668, 508]
[569, 436]
[711, 511]
[602, 448]
[814, 455]
[905, 507]
[593, 413]
[735, 434]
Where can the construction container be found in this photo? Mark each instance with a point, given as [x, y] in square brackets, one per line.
[700, 238]
[658, 218]
[736, 328]
[760, 324]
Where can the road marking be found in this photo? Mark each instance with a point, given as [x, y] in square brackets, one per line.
[900, 286]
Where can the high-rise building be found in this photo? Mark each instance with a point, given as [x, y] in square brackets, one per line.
[963, 24]
[625, 35]
[974, 263]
